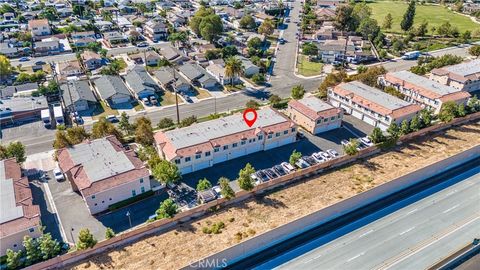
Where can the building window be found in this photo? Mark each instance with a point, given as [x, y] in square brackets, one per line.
[325, 119]
[93, 197]
[269, 136]
[187, 159]
[333, 118]
[141, 180]
[103, 201]
[216, 149]
[250, 141]
[31, 229]
[95, 204]
[285, 132]
[142, 189]
[177, 161]
[319, 121]
[260, 137]
[197, 156]
[225, 147]
[134, 193]
[207, 154]
[277, 134]
[110, 199]
[243, 142]
[14, 245]
[293, 129]
[234, 145]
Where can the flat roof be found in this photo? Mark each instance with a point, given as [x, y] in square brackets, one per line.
[315, 104]
[8, 206]
[375, 95]
[423, 82]
[206, 131]
[465, 69]
[100, 160]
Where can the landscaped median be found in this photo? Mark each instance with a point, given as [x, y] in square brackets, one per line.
[181, 244]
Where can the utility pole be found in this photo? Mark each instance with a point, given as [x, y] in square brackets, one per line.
[176, 94]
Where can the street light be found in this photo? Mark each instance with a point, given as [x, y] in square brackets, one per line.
[129, 219]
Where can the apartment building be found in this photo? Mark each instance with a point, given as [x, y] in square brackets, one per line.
[39, 27]
[104, 172]
[371, 105]
[314, 115]
[205, 144]
[464, 76]
[418, 89]
[18, 215]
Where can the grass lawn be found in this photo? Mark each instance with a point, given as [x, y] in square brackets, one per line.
[168, 98]
[123, 64]
[434, 15]
[234, 88]
[103, 110]
[138, 106]
[307, 68]
[202, 93]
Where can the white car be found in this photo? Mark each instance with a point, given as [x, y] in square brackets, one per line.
[326, 156]
[366, 141]
[333, 153]
[218, 190]
[255, 179]
[319, 158]
[57, 173]
[287, 167]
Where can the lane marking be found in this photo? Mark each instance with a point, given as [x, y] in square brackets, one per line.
[404, 232]
[354, 257]
[451, 208]
[365, 234]
[413, 211]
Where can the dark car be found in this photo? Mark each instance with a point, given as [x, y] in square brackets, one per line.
[40, 63]
[279, 170]
[311, 161]
[271, 174]
[262, 176]
[300, 136]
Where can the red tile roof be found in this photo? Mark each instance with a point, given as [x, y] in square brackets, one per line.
[311, 113]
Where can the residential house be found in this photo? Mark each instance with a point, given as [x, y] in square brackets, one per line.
[69, 68]
[196, 74]
[418, 89]
[338, 50]
[19, 217]
[464, 76]
[371, 105]
[249, 69]
[152, 58]
[218, 72]
[20, 90]
[314, 115]
[77, 95]
[46, 47]
[104, 172]
[114, 38]
[156, 30]
[140, 83]
[21, 109]
[170, 79]
[208, 143]
[112, 90]
[91, 60]
[39, 27]
[82, 39]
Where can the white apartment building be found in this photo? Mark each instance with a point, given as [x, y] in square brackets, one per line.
[418, 89]
[464, 76]
[371, 105]
[205, 144]
[104, 172]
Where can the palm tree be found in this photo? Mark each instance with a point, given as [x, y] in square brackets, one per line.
[233, 67]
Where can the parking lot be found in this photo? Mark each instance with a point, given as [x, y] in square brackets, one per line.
[352, 128]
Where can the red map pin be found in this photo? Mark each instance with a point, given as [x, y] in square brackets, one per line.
[250, 116]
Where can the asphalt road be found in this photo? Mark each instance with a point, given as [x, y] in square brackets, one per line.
[413, 237]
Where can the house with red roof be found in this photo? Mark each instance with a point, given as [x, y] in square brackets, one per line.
[314, 115]
[464, 76]
[18, 215]
[205, 144]
[104, 172]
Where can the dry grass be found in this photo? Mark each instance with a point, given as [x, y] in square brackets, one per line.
[187, 242]
[202, 93]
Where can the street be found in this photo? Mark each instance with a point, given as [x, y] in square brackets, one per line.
[414, 237]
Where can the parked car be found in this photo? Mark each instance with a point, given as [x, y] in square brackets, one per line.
[255, 179]
[153, 100]
[325, 155]
[270, 173]
[262, 176]
[187, 99]
[23, 59]
[146, 101]
[142, 44]
[344, 142]
[40, 63]
[279, 170]
[287, 20]
[366, 141]
[281, 41]
[300, 136]
[112, 118]
[57, 173]
[319, 158]
[287, 167]
[218, 191]
[302, 164]
[333, 153]
[309, 160]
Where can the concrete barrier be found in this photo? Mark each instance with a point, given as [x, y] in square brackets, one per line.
[165, 224]
[299, 226]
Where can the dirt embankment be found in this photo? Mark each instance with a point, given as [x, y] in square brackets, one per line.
[187, 243]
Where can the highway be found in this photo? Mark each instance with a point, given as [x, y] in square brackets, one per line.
[414, 237]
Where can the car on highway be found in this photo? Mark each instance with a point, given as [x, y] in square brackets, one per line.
[366, 141]
[270, 173]
[112, 118]
[278, 169]
[287, 167]
[302, 164]
[57, 173]
[23, 59]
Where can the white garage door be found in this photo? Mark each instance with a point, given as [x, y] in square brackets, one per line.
[347, 109]
[237, 153]
[369, 120]
[202, 165]
[285, 141]
[118, 100]
[220, 158]
[254, 148]
[334, 102]
[187, 169]
[357, 114]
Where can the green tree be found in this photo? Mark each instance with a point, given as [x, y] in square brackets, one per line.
[255, 43]
[351, 148]
[203, 184]
[109, 233]
[32, 251]
[13, 259]
[408, 17]
[309, 48]
[103, 128]
[76, 135]
[415, 123]
[61, 140]
[233, 67]
[377, 136]
[49, 247]
[210, 27]
[16, 150]
[229, 51]
[85, 239]
[213, 54]
[258, 78]
[345, 19]
[245, 180]
[461, 111]
[252, 104]
[225, 188]
[188, 121]
[368, 28]
[474, 51]
[426, 116]
[393, 130]
[5, 68]
[448, 111]
[298, 91]
[165, 123]
[167, 209]
[266, 28]
[387, 22]
[124, 124]
[473, 104]
[247, 22]
[165, 172]
[466, 36]
[143, 131]
[422, 29]
[294, 157]
[405, 127]
[274, 99]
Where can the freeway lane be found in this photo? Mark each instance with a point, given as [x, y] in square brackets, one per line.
[413, 237]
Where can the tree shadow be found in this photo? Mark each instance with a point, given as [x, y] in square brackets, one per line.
[271, 202]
